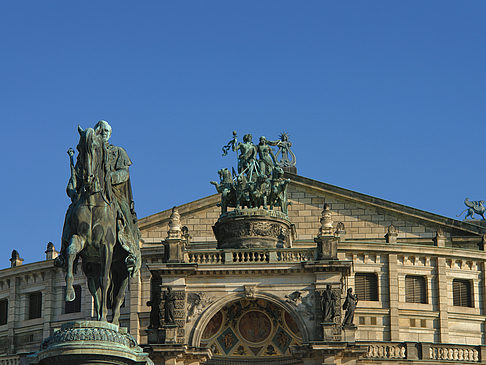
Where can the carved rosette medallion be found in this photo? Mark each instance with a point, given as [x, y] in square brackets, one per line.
[253, 228]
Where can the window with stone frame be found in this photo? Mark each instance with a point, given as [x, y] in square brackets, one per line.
[462, 293]
[415, 289]
[75, 305]
[35, 305]
[366, 286]
[3, 311]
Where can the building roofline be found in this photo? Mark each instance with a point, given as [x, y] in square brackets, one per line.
[388, 205]
[194, 206]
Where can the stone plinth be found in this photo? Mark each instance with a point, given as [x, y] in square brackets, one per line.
[349, 333]
[253, 228]
[329, 331]
[90, 343]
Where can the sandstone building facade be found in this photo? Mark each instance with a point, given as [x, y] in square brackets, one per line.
[419, 277]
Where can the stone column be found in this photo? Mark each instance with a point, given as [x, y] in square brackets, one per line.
[443, 299]
[393, 297]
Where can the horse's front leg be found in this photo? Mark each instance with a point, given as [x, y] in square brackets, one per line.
[76, 244]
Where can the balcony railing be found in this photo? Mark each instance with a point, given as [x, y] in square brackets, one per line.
[242, 256]
[423, 351]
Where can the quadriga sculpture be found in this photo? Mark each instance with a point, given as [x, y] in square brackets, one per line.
[100, 224]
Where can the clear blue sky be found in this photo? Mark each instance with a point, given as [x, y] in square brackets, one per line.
[382, 97]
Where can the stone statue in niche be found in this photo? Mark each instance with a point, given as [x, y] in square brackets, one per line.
[328, 304]
[169, 306]
[350, 306]
[155, 314]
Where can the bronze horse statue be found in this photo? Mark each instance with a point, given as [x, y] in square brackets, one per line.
[90, 229]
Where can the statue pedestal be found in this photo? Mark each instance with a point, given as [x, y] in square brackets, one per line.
[90, 343]
[254, 228]
[349, 333]
[326, 247]
[155, 336]
[329, 331]
[169, 333]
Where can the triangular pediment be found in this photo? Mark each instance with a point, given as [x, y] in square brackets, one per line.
[364, 217]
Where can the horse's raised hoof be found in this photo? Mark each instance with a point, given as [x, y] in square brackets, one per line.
[70, 294]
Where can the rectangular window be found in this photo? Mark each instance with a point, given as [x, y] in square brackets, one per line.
[366, 286]
[35, 305]
[415, 289]
[75, 305]
[462, 293]
[3, 311]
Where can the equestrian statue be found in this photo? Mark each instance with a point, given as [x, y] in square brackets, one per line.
[100, 226]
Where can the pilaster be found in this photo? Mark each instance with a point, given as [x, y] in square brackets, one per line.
[443, 298]
[393, 297]
[48, 303]
[13, 310]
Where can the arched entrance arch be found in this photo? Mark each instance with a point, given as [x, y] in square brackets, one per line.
[262, 328]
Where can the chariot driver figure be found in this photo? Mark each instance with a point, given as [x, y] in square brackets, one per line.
[116, 164]
[247, 156]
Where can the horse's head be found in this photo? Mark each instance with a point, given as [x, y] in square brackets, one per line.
[90, 159]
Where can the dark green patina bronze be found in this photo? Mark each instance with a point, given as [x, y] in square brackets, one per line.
[260, 181]
[100, 224]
